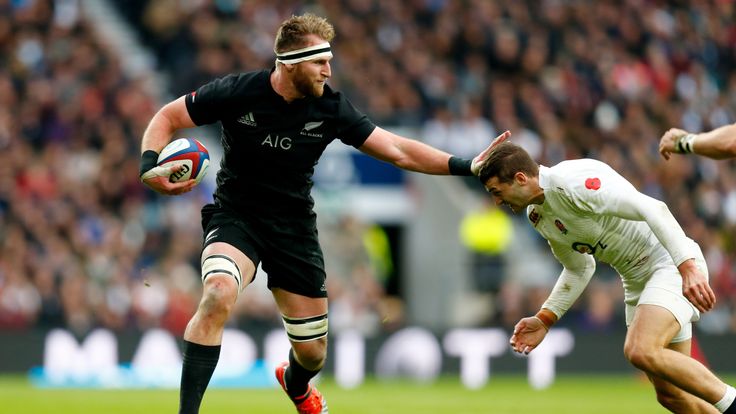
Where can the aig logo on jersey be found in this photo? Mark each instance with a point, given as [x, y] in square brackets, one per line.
[277, 142]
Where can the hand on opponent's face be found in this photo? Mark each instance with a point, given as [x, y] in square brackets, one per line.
[478, 160]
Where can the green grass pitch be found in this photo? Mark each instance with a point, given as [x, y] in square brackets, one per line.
[502, 395]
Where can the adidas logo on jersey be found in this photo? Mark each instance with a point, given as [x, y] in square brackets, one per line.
[211, 235]
[248, 119]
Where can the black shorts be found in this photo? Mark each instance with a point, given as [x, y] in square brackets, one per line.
[289, 252]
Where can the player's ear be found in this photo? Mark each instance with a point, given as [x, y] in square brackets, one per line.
[521, 178]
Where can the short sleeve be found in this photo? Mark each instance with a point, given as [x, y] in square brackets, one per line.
[213, 101]
[354, 127]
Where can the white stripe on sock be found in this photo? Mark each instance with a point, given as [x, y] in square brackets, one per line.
[727, 399]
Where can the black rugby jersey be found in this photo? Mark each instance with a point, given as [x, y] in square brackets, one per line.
[271, 146]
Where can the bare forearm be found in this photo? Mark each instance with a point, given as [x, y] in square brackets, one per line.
[158, 133]
[422, 158]
[719, 143]
[169, 119]
[417, 156]
[406, 153]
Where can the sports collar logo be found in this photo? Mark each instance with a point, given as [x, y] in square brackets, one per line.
[248, 119]
[309, 126]
[534, 217]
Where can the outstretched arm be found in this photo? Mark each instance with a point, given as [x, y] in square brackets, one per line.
[405, 153]
[576, 273]
[413, 155]
[718, 144]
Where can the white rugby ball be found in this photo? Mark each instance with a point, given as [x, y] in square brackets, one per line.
[190, 154]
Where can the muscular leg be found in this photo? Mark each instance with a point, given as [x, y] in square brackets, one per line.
[218, 297]
[674, 398]
[683, 384]
[203, 335]
[306, 357]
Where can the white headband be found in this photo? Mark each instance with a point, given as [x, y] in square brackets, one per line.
[321, 50]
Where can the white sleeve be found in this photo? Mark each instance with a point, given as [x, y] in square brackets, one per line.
[578, 269]
[640, 207]
[619, 198]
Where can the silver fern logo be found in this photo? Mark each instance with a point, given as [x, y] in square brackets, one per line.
[309, 126]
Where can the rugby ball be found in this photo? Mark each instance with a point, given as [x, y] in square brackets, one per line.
[190, 154]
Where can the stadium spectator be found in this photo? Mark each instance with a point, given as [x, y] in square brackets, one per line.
[357, 265]
[587, 211]
[487, 233]
[63, 94]
[465, 134]
[263, 210]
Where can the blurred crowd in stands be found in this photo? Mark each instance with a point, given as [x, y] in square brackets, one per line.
[84, 244]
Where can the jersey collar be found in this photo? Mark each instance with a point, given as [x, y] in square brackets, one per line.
[544, 177]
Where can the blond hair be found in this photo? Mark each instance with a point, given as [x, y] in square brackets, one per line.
[293, 31]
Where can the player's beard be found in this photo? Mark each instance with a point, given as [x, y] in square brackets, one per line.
[307, 86]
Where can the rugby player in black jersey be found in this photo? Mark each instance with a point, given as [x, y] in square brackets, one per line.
[275, 125]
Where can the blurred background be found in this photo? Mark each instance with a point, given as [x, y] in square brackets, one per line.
[85, 246]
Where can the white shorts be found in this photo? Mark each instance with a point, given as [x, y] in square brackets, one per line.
[664, 289]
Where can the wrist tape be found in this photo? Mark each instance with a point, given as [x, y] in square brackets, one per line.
[149, 160]
[684, 144]
[459, 166]
[546, 317]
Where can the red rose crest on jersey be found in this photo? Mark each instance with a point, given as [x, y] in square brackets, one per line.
[593, 183]
[534, 217]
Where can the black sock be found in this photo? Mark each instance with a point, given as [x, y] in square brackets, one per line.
[199, 364]
[297, 377]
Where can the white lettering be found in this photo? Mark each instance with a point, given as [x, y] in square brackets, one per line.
[475, 347]
[349, 359]
[541, 367]
[275, 347]
[65, 360]
[267, 141]
[237, 355]
[277, 142]
[412, 352]
[157, 360]
[285, 143]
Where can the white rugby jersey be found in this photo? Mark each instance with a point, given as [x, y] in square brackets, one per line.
[590, 211]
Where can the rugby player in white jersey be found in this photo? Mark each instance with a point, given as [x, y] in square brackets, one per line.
[587, 212]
